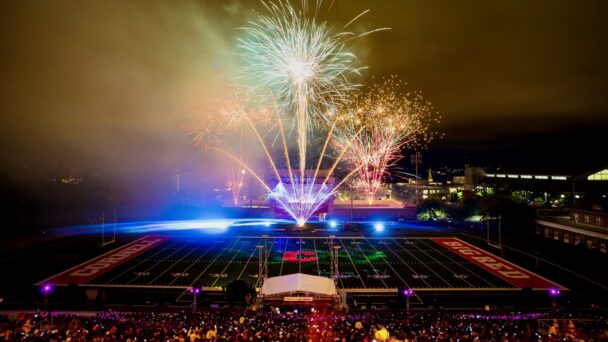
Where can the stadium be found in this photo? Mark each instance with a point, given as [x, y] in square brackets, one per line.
[238, 171]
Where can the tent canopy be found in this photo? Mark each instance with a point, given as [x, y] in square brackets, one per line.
[298, 282]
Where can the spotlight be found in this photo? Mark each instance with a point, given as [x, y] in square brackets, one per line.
[300, 222]
[333, 224]
[378, 227]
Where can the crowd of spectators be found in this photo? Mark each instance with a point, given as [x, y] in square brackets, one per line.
[270, 325]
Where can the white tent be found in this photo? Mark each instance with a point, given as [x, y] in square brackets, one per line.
[298, 282]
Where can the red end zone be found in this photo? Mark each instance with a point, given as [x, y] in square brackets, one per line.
[93, 268]
[501, 268]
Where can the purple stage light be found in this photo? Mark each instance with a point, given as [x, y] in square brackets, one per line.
[46, 288]
[553, 292]
[408, 292]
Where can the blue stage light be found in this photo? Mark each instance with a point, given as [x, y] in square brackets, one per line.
[333, 224]
[378, 227]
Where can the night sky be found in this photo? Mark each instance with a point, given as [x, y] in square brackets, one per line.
[102, 86]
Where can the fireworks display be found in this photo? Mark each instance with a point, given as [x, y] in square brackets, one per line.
[223, 122]
[301, 73]
[301, 62]
[387, 120]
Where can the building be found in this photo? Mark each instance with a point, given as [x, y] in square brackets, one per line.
[592, 211]
[473, 176]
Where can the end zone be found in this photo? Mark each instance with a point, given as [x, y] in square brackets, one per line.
[87, 271]
[499, 267]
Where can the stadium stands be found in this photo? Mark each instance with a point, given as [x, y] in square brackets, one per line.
[293, 326]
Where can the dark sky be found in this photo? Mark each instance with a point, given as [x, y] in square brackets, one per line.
[104, 85]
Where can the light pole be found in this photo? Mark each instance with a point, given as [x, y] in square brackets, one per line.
[554, 293]
[260, 263]
[266, 255]
[336, 259]
[46, 290]
[350, 187]
[195, 292]
[407, 293]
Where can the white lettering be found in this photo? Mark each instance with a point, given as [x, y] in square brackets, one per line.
[117, 257]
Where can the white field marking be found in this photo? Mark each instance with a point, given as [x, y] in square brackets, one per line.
[389, 265]
[423, 263]
[156, 264]
[370, 263]
[228, 264]
[351, 261]
[248, 260]
[405, 263]
[174, 264]
[197, 260]
[139, 263]
[442, 265]
[213, 261]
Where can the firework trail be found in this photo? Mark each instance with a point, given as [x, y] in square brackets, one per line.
[222, 122]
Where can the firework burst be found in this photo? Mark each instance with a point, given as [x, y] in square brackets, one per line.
[295, 56]
[388, 120]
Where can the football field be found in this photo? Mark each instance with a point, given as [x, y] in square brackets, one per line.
[364, 263]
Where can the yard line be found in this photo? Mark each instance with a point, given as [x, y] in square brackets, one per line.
[156, 264]
[197, 260]
[444, 266]
[175, 263]
[389, 265]
[440, 250]
[228, 264]
[351, 261]
[423, 263]
[139, 263]
[250, 256]
[314, 245]
[406, 264]
[213, 261]
[372, 265]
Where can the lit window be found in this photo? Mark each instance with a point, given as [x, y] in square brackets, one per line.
[559, 177]
[501, 176]
[598, 220]
[587, 219]
[490, 175]
[541, 177]
[513, 176]
[599, 176]
[526, 176]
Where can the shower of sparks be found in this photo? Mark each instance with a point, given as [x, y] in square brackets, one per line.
[389, 120]
[294, 55]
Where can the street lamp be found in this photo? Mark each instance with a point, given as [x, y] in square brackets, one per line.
[195, 291]
[407, 293]
[46, 289]
[554, 293]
